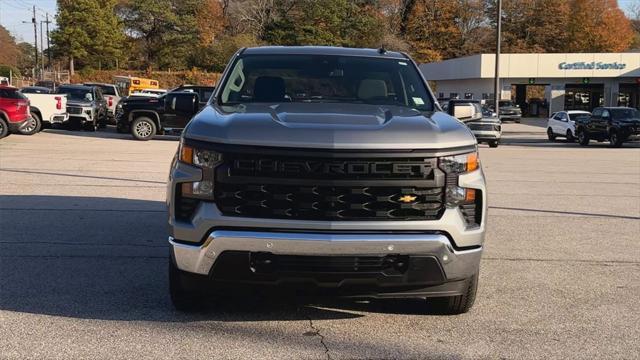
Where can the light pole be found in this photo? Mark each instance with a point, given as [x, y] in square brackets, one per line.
[496, 79]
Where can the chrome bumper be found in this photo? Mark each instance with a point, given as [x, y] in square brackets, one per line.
[457, 264]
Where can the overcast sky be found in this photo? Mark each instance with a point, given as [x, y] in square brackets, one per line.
[14, 12]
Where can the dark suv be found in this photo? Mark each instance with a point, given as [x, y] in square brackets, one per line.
[145, 117]
[616, 124]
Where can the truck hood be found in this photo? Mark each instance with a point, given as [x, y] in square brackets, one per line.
[328, 125]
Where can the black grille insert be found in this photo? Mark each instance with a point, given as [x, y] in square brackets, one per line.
[329, 202]
[328, 189]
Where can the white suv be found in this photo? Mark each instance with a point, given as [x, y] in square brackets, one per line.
[563, 124]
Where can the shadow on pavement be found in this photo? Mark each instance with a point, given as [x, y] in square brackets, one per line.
[108, 133]
[107, 258]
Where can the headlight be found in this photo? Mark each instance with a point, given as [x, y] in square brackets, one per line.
[459, 164]
[454, 166]
[207, 160]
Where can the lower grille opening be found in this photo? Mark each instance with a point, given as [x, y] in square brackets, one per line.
[388, 265]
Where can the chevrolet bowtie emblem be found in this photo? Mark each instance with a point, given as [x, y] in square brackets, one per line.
[407, 198]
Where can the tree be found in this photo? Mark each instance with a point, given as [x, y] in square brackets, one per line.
[88, 32]
[10, 51]
[166, 30]
[598, 26]
[329, 22]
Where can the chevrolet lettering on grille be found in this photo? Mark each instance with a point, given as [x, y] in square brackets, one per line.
[334, 168]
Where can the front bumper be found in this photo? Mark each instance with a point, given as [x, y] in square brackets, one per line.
[435, 267]
[486, 135]
[15, 126]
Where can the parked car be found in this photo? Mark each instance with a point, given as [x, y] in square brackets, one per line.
[46, 109]
[486, 126]
[35, 90]
[204, 92]
[4, 80]
[508, 110]
[111, 95]
[145, 117]
[563, 124]
[326, 169]
[14, 112]
[86, 106]
[616, 124]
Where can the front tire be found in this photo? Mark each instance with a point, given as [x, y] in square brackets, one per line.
[615, 140]
[143, 128]
[33, 125]
[570, 137]
[551, 135]
[583, 137]
[185, 296]
[4, 128]
[493, 143]
[459, 304]
[92, 126]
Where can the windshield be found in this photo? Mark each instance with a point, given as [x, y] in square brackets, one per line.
[625, 113]
[320, 78]
[76, 93]
[108, 90]
[505, 103]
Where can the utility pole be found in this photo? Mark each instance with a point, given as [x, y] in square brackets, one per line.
[48, 47]
[35, 33]
[41, 50]
[496, 80]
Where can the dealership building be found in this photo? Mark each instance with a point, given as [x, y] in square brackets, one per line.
[542, 83]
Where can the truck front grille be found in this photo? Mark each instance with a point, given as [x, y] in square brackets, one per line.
[329, 202]
[484, 127]
[74, 110]
[329, 189]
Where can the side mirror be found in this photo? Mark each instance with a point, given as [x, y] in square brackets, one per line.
[183, 102]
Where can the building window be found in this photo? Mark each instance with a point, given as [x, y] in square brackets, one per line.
[441, 95]
[487, 96]
[468, 96]
[454, 96]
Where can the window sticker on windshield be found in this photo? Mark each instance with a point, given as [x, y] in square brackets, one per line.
[402, 63]
[418, 101]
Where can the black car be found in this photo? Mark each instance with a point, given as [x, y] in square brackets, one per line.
[86, 105]
[616, 124]
[145, 117]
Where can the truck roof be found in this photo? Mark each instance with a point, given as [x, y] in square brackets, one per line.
[323, 50]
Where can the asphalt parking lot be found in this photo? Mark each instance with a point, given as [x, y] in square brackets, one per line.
[83, 263]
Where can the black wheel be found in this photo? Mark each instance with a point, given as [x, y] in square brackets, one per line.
[615, 140]
[551, 135]
[185, 289]
[493, 143]
[460, 304]
[583, 137]
[32, 125]
[92, 126]
[4, 128]
[143, 128]
[570, 137]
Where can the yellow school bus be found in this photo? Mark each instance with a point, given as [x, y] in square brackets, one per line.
[128, 84]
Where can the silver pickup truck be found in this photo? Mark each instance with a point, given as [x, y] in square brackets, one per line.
[327, 170]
